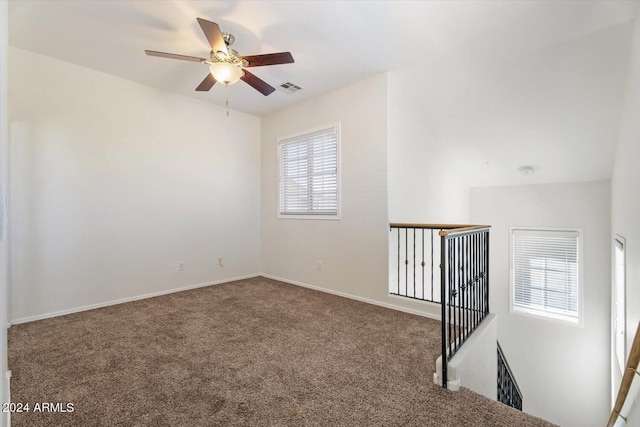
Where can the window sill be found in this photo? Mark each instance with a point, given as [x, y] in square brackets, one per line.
[548, 316]
[307, 217]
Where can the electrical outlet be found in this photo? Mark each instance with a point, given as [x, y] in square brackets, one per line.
[319, 265]
[180, 267]
[220, 262]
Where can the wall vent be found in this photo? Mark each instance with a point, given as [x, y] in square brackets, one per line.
[290, 87]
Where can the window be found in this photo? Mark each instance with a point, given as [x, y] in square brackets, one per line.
[308, 175]
[620, 301]
[546, 273]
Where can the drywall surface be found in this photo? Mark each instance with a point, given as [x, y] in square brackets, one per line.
[115, 183]
[475, 365]
[456, 123]
[630, 412]
[633, 417]
[625, 199]
[353, 250]
[4, 175]
[563, 370]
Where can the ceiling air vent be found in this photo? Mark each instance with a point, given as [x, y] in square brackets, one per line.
[290, 87]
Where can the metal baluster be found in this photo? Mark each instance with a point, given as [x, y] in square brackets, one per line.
[481, 281]
[398, 261]
[454, 272]
[406, 262]
[486, 292]
[477, 275]
[472, 260]
[423, 264]
[432, 267]
[443, 306]
[414, 263]
[463, 289]
[452, 291]
[458, 314]
[467, 270]
[470, 280]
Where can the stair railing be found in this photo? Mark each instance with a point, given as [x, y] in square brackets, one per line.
[630, 372]
[463, 264]
[464, 286]
[508, 390]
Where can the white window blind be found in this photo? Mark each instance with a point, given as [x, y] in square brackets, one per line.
[545, 273]
[308, 174]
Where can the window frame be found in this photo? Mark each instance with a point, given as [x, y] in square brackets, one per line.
[311, 216]
[540, 314]
[621, 363]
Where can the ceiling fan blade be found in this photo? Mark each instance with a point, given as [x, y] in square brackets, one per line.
[257, 83]
[269, 59]
[206, 84]
[214, 36]
[174, 56]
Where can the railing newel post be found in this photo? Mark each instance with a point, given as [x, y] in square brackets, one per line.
[486, 258]
[443, 306]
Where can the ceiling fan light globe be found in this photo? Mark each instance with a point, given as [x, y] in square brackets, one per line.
[225, 72]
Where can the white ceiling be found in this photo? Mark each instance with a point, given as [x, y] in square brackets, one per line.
[334, 43]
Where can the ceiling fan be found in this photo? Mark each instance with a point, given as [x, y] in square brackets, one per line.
[225, 65]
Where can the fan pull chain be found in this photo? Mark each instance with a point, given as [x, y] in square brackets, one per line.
[227, 100]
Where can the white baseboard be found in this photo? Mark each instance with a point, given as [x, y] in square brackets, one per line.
[129, 299]
[354, 297]
[218, 282]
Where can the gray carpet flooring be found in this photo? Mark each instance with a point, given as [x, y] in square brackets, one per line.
[254, 352]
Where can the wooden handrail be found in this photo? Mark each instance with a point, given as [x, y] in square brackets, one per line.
[436, 226]
[506, 362]
[462, 229]
[627, 378]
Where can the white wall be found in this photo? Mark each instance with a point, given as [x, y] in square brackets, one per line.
[630, 409]
[4, 174]
[354, 249]
[562, 370]
[422, 188]
[114, 183]
[469, 121]
[625, 196]
[633, 417]
[475, 365]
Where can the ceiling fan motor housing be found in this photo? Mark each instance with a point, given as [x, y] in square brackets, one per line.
[228, 38]
[232, 58]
